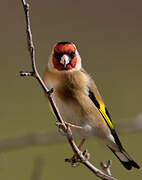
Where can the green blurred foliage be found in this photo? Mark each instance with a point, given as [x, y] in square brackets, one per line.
[108, 36]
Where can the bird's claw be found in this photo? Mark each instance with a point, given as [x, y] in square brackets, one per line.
[75, 160]
[60, 128]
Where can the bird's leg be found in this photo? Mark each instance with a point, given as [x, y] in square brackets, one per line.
[81, 143]
[69, 125]
[74, 160]
[85, 152]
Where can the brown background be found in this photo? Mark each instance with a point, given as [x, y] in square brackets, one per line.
[108, 35]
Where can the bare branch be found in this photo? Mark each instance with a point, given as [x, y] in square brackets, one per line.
[35, 74]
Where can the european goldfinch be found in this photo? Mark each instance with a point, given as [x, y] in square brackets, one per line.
[79, 100]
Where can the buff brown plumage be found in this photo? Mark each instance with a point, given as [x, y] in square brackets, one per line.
[79, 100]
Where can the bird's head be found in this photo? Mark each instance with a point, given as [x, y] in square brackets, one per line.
[64, 57]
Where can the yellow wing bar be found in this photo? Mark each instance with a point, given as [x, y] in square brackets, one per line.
[101, 107]
[102, 110]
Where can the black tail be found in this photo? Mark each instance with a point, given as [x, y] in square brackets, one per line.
[125, 159]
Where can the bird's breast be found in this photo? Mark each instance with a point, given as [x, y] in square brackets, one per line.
[70, 95]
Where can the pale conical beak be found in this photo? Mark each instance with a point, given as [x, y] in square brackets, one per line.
[65, 59]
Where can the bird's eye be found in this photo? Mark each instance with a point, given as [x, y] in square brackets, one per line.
[72, 55]
[58, 55]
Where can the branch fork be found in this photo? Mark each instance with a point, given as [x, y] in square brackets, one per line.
[106, 167]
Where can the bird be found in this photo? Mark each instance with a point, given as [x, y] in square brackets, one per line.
[79, 101]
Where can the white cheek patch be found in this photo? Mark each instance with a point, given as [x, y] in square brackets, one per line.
[78, 65]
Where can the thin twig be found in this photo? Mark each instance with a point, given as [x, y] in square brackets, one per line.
[35, 74]
[106, 167]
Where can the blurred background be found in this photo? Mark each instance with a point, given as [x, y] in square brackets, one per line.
[108, 35]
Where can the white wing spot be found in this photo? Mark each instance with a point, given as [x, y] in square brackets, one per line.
[121, 156]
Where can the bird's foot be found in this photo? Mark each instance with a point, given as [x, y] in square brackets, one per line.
[68, 126]
[75, 160]
[62, 129]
